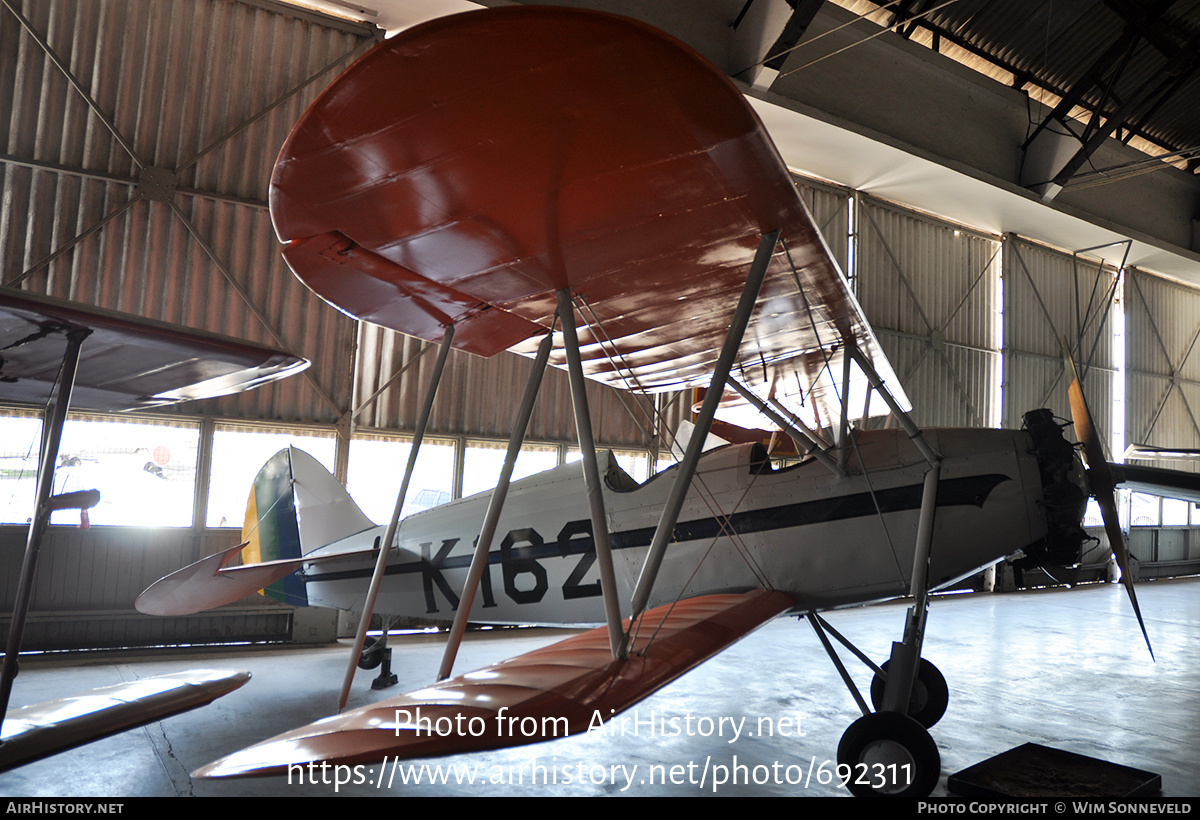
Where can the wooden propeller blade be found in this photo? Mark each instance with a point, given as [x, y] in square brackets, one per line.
[1100, 481]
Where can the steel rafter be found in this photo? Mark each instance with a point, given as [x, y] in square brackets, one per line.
[803, 12]
[1113, 108]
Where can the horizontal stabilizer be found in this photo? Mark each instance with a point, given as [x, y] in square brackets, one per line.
[1158, 481]
[210, 583]
[33, 732]
[559, 690]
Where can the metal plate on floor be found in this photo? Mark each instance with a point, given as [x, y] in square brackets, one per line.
[1033, 770]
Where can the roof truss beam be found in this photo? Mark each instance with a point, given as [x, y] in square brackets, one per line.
[1054, 152]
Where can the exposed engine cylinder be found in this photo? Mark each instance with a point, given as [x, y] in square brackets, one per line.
[1064, 493]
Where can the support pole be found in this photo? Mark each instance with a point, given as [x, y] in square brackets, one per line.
[844, 429]
[385, 546]
[813, 435]
[910, 427]
[52, 428]
[906, 655]
[791, 427]
[591, 475]
[495, 507]
[687, 467]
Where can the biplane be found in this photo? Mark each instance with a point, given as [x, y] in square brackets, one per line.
[62, 355]
[583, 189]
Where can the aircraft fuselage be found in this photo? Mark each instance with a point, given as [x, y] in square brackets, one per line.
[826, 540]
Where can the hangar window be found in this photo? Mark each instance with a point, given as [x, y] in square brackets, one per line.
[1175, 512]
[239, 452]
[18, 466]
[1144, 510]
[145, 469]
[376, 470]
[483, 459]
[634, 462]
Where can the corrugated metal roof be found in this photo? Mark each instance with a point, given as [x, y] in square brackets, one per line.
[1053, 45]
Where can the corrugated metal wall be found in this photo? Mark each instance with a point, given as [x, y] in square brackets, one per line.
[168, 195]
[929, 290]
[1050, 296]
[140, 184]
[1162, 379]
[830, 207]
[480, 397]
[88, 579]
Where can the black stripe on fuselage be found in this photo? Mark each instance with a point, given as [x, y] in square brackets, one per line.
[955, 492]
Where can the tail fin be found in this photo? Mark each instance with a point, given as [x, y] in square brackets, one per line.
[294, 508]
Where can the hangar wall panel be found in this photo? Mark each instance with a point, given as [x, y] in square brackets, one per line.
[480, 397]
[1162, 392]
[161, 212]
[830, 208]
[929, 289]
[1050, 295]
[87, 582]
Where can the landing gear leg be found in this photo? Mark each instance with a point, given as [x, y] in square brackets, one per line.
[378, 653]
[890, 751]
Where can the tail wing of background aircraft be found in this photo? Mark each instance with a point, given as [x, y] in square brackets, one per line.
[64, 354]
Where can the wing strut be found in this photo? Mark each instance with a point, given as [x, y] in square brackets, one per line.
[591, 476]
[910, 426]
[495, 506]
[687, 467]
[385, 546]
[906, 654]
[794, 427]
[52, 429]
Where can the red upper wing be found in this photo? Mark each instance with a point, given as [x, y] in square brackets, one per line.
[465, 170]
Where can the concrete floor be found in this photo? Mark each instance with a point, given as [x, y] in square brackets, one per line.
[1066, 669]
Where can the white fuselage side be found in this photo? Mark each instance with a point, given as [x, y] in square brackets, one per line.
[826, 540]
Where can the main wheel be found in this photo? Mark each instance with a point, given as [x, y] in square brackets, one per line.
[889, 755]
[929, 697]
[372, 653]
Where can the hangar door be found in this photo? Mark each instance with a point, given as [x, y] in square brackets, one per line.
[1051, 296]
[930, 290]
[1162, 323]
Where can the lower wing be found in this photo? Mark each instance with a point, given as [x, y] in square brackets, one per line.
[565, 688]
[34, 732]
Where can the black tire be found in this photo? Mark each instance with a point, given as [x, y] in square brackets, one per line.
[889, 755]
[372, 654]
[929, 698]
